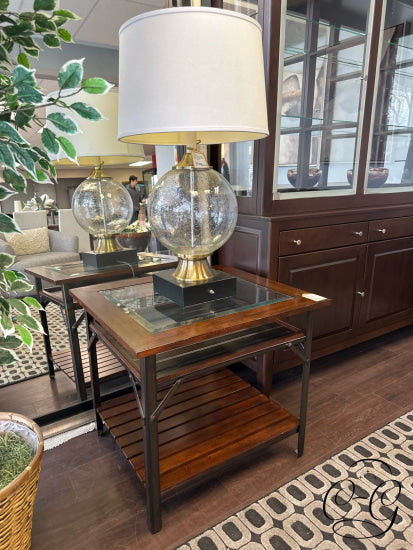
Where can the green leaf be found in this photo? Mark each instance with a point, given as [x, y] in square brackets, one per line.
[30, 322]
[6, 156]
[22, 76]
[41, 177]
[71, 74]
[6, 324]
[27, 42]
[4, 4]
[10, 275]
[23, 157]
[24, 115]
[96, 85]
[40, 152]
[7, 130]
[19, 306]
[28, 94]
[26, 336]
[19, 274]
[53, 169]
[23, 60]
[60, 21]
[4, 56]
[64, 123]
[33, 52]
[4, 304]
[51, 40]
[49, 141]
[6, 260]
[65, 13]
[7, 357]
[44, 164]
[11, 342]
[44, 23]
[21, 286]
[27, 15]
[19, 28]
[68, 148]
[32, 302]
[64, 35]
[4, 193]
[86, 111]
[46, 5]
[16, 180]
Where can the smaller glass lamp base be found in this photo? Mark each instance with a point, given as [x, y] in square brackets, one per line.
[109, 259]
[183, 293]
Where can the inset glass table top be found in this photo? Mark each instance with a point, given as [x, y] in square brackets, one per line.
[142, 258]
[157, 313]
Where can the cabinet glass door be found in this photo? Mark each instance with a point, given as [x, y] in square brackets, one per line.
[391, 158]
[322, 86]
[237, 158]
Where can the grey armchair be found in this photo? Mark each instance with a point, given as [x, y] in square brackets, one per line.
[63, 249]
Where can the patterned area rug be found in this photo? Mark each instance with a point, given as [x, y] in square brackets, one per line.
[35, 364]
[359, 499]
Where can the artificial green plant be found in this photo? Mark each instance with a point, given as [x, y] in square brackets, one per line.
[20, 99]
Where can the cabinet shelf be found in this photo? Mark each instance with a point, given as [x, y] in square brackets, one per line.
[291, 123]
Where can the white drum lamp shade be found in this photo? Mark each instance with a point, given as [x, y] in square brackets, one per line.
[97, 142]
[197, 70]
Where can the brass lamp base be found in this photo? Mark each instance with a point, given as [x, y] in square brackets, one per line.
[107, 243]
[193, 270]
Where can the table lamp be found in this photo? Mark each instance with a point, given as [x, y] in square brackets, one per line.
[199, 80]
[101, 205]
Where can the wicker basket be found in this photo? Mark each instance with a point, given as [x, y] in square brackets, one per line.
[17, 499]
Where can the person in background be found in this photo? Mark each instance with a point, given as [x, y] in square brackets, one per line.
[225, 169]
[136, 195]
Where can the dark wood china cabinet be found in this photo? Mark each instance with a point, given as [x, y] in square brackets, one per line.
[326, 201]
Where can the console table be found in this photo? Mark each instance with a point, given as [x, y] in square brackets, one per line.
[188, 414]
[64, 277]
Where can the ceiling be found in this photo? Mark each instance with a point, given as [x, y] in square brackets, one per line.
[100, 19]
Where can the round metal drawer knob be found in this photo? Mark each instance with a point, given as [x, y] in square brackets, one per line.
[297, 242]
[362, 294]
[381, 231]
[358, 233]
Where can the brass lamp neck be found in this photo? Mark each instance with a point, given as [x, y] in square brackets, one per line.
[98, 172]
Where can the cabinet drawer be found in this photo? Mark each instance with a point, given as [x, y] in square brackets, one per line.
[320, 238]
[390, 228]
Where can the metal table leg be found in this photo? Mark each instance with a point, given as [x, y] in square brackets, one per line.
[151, 444]
[305, 381]
[45, 327]
[74, 343]
[94, 374]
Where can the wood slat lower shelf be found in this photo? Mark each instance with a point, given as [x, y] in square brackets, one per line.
[207, 423]
[108, 365]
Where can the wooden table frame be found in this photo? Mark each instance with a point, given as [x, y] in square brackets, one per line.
[157, 363]
[60, 295]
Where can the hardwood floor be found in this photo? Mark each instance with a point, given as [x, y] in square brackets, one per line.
[89, 497]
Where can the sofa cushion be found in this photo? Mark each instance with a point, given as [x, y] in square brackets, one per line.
[30, 241]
